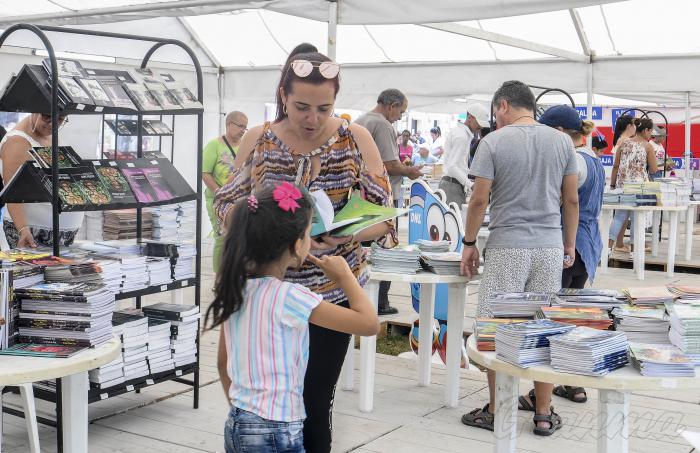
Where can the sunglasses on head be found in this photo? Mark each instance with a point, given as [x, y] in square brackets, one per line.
[328, 69]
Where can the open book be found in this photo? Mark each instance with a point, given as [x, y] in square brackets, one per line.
[357, 215]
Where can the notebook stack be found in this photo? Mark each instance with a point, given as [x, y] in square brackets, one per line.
[605, 299]
[425, 245]
[159, 271]
[650, 296]
[185, 322]
[24, 274]
[660, 360]
[165, 222]
[108, 375]
[685, 327]
[526, 344]
[400, 260]
[71, 314]
[519, 305]
[588, 351]
[485, 331]
[184, 265]
[689, 294]
[592, 317]
[446, 263]
[133, 329]
[121, 224]
[643, 324]
[160, 358]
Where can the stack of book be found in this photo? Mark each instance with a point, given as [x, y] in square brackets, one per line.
[685, 327]
[183, 267]
[446, 263]
[159, 271]
[685, 293]
[121, 224]
[24, 273]
[485, 331]
[595, 318]
[588, 351]
[9, 311]
[400, 260]
[72, 314]
[160, 358]
[105, 271]
[660, 360]
[185, 322]
[526, 344]
[165, 222]
[186, 220]
[108, 375]
[133, 328]
[605, 299]
[425, 245]
[520, 305]
[643, 324]
[650, 296]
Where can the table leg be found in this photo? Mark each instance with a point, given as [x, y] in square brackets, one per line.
[689, 224]
[347, 379]
[613, 421]
[426, 313]
[457, 297]
[75, 412]
[368, 349]
[639, 235]
[655, 233]
[672, 239]
[505, 423]
[606, 217]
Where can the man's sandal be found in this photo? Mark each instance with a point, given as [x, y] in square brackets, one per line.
[570, 393]
[553, 419]
[479, 418]
[524, 404]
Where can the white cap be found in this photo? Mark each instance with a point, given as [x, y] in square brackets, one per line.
[479, 112]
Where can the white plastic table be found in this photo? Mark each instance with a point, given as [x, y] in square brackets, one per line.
[606, 217]
[457, 295]
[72, 371]
[613, 397]
[689, 226]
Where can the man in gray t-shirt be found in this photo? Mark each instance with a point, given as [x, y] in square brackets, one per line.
[530, 173]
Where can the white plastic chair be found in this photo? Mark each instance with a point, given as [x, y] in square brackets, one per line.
[27, 393]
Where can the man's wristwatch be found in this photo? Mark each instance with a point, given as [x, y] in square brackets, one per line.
[468, 243]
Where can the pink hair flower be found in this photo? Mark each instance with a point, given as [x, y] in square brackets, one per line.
[286, 196]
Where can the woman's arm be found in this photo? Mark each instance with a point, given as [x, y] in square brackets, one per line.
[247, 145]
[652, 163]
[616, 167]
[222, 361]
[15, 154]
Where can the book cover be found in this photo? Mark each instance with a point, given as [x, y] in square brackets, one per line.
[74, 91]
[140, 185]
[117, 95]
[68, 190]
[65, 67]
[165, 98]
[67, 157]
[159, 183]
[143, 98]
[115, 182]
[323, 219]
[369, 214]
[184, 95]
[93, 188]
[658, 353]
[42, 350]
[96, 92]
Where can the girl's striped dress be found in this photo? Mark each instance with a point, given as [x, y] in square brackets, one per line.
[342, 170]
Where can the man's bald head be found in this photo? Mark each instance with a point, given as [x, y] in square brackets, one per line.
[236, 116]
[236, 125]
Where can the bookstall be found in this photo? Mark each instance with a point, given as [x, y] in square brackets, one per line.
[59, 176]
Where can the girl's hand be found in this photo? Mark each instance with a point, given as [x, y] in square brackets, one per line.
[327, 242]
[335, 267]
[26, 239]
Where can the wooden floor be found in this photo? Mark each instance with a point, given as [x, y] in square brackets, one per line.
[406, 419]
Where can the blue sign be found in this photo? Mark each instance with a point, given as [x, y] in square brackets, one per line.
[606, 160]
[597, 113]
[680, 163]
[617, 113]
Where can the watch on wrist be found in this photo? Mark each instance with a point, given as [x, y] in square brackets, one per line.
[468, 243]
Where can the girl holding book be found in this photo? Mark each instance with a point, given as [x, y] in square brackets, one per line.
[264, 342]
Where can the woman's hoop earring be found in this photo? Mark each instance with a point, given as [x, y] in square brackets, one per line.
[284, 109]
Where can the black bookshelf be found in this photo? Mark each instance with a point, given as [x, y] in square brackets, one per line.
[177, 284]
[114, 124]
[31, 91]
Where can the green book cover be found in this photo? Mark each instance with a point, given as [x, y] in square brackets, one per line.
[357, 215]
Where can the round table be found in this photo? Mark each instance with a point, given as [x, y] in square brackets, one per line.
[613, 397]
[689, 226]
[605, 220]
[457, 295]
[72, 371]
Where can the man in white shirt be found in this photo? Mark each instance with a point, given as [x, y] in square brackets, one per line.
[456, 159]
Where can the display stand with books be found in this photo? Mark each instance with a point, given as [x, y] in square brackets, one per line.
[125, 126]
[64, 87]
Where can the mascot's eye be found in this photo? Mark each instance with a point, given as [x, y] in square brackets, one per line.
[436, 222]
[451, 231]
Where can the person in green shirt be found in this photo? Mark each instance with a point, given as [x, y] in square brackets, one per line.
[217, 167]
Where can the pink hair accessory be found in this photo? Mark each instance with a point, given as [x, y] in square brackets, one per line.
[286, 196]
[252, 203]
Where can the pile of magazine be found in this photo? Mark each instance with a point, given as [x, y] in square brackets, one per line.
[652, 295]
[588, 351]
[108, 375]
[485, 331]
[133, 327]
[72, 314]
[660, 360]
[400, 260]
[159, 271]
[184, 321]
[165, 222]
[526, 344]
[520, 305]
[160, 357]
[643, 324]
[605, 299]
[685, 293]
[105, 271]
[118, 225]
[595, 318]
[446, 263]
[425, 245]
[685, 327]
[180, 253]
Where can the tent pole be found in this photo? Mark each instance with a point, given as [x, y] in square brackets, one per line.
[589, 99]
[332, 28]
[688, 153]
[222, 95]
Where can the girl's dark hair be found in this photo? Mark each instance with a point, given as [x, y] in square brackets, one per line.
[406, 131]
[304, 47]
[254, 239]
[289, 77]
[643, 123]
[436, 130]
[620, 125]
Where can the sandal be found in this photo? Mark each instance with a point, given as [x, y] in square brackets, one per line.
[553, 419]
[570, 393]
[624, 249]
[479, 418]
[524, 404]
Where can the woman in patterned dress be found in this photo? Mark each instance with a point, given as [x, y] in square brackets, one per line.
[308, 146]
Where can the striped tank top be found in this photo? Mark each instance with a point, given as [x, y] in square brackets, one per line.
[341, 171]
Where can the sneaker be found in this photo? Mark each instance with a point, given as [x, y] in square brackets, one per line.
[387, 310]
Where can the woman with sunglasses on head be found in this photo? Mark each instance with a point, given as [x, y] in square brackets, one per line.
[31, 224]
[306, 145]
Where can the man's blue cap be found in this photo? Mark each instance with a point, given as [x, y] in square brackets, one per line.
[563, 116]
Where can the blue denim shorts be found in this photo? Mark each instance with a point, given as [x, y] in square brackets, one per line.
[246, 432]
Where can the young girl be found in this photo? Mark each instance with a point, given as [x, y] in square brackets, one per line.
[264, 342]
